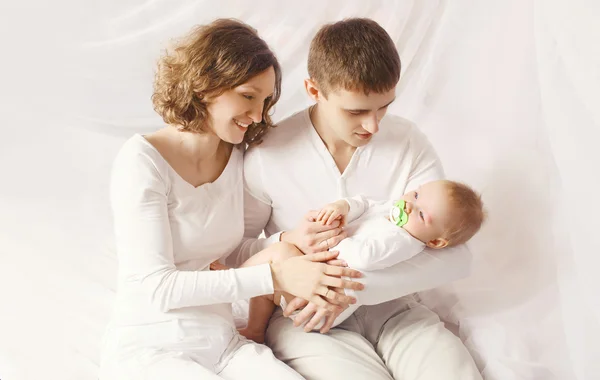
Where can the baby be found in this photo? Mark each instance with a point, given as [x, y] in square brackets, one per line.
[383, 233]
[439, 214]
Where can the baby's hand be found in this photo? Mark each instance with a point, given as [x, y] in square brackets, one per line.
[333, 211]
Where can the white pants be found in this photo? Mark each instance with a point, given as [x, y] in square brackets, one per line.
[250, 361]
[187, 350]
[400, 340]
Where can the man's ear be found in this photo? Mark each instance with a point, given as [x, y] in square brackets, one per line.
[312, 89]
[437, 243]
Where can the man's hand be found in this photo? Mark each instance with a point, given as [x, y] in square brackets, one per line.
[311, 314]
[312, 236]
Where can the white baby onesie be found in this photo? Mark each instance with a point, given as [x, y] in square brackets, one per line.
[373, 241]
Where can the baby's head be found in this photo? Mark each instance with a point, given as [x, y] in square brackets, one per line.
[443, 213]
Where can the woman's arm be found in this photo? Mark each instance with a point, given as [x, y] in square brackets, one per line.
[145, 247]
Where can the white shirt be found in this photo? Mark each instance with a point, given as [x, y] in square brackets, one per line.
[167, 234]
[292, 172]
[373, 241]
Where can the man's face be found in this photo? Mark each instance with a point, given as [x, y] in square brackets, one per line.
[353, 116]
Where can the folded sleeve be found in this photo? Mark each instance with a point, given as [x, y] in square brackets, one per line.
[358, 206]
[383, 246]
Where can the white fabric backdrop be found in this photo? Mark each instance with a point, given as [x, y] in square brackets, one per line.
[508, 92]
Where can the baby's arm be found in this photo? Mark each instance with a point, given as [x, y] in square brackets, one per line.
[346, 209]
[260, 310]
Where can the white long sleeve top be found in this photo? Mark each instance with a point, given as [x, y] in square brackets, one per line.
[373, 241]
[167, 234]
[292, 172]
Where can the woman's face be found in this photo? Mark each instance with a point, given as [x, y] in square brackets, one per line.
[232, 112]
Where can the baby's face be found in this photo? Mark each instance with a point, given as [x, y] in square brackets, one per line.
[428, 211]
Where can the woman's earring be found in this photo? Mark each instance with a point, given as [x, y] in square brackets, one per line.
[199, 95]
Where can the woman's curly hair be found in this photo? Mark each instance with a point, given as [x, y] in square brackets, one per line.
[207, 62]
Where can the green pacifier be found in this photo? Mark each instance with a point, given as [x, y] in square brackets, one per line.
[397, 214]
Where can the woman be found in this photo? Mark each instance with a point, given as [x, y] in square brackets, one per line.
[177, 200]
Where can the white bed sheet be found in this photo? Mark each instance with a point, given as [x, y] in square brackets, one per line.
[508, 93]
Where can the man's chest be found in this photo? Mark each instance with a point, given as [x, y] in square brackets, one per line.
[306, 177]
[297, 193]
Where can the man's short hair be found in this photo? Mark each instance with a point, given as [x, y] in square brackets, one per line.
[354, 54]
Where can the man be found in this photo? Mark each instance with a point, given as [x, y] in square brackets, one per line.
[343, 146]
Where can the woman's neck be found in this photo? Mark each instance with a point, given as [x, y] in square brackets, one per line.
[196, 147]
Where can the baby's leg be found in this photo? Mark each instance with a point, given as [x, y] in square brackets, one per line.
[262, 307]
[259, 313]
[274, 253]
[215, 265]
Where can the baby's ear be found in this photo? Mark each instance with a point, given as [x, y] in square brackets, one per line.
[437, 243]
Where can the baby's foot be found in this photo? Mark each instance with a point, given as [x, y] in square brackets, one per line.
[256, 336]
[218, 266]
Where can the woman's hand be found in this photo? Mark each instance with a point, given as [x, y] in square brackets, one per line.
[310, 278]
[312, 236]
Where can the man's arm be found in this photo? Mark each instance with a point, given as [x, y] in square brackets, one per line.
[424, 271]
[427, 165]
[257, 211]
[428, 269]
[309, 236]
[256, 216]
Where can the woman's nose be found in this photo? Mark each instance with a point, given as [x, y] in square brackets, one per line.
[256, 114]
